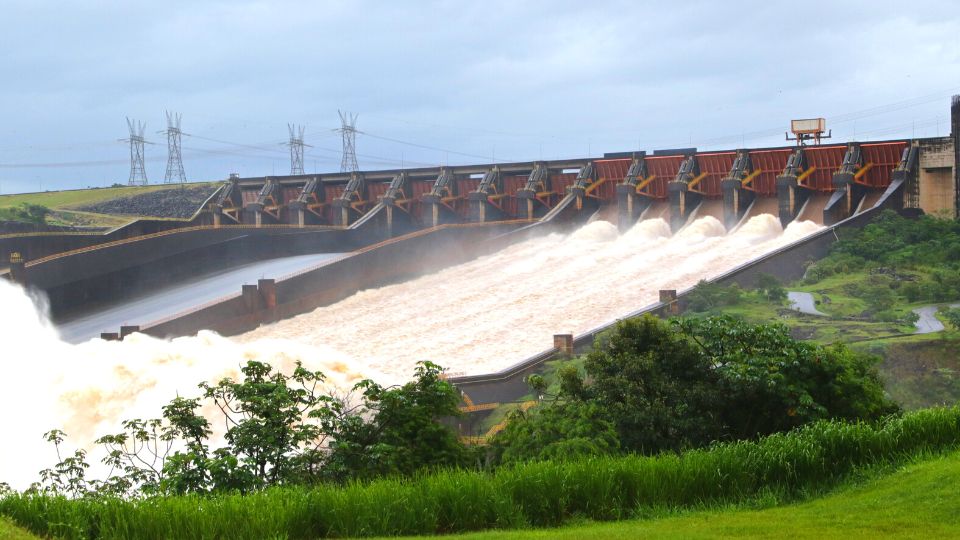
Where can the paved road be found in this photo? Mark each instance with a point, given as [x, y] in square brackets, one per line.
[172, 300]
[928, 321]
[803, 302]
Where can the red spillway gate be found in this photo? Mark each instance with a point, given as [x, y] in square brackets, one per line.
[662, 170]
[767, 164]
[714, 167]
[880, 159]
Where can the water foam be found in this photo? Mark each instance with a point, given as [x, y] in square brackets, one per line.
[88, 389]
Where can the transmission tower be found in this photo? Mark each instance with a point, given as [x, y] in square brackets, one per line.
[348, 132]
[174, 159]
[138, 174]
[296, 148]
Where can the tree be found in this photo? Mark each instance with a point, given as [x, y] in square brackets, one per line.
[952, 317]
[398, 429]
[688, 382]
[773, 382]
[654, 387]
[771, 288]
[559, 431]
[706, 296]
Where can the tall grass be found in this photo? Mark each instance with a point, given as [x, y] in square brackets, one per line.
[534, 494]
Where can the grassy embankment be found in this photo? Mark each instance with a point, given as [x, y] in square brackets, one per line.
[777, 469]
[64, 204]
[919, 500]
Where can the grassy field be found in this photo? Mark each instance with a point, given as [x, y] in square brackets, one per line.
[9, 531]
[57, 200]
[64, 204]
[918, 501]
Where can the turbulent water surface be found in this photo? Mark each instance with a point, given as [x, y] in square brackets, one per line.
[476, 317]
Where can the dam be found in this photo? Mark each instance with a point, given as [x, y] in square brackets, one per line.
[488, 270]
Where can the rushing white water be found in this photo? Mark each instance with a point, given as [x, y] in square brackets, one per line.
[88, 389]
[489, 313]
[476, 317]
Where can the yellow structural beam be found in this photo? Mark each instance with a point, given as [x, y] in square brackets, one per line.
[750, 177]
[594, 185]
[646, 181]
[863, 170]
[803, 176]
[695, 181]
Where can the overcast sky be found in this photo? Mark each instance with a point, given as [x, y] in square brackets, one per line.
[453, 82]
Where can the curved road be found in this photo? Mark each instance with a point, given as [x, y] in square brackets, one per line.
[928, 321]
[174, 299]
[803, 302]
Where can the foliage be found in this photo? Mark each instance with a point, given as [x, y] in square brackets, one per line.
[771, 288]
[687, 383]
[706, 296]
[772, 382]
[25, 212]
[397, 430]
[562, 431]
[280, 430]
[894, 242]
[547, 493]
[952, 316]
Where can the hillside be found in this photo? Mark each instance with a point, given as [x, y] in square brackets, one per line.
[916, 501]
[113, 206]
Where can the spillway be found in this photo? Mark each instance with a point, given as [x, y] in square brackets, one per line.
[476, 317]
[189, 294]
[487, 314]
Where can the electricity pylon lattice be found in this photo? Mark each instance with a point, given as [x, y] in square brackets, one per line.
[348, 132]
[296, 145]
[138, 174]
[174, 158]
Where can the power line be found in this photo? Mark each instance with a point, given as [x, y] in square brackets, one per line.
[174, 159]
[296, 148]
[348, 136]
[427, 147]
[138, 173]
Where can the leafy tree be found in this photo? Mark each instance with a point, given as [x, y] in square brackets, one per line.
[686, 383]
[398, 429]
[953, 317]
[654, 386]
[280, 430]
[771, 288]
[563, 430]
[773, 382]
[706, 296]
[274, 424]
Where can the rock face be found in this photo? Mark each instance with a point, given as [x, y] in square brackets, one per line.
[165, 203]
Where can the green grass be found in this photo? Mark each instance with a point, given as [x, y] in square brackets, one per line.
[9, 531]
[64, 204]
[920, 500]
[67, 199]
[547, 494]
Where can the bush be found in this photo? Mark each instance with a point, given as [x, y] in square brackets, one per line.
[687, 383]
[952, 317]
[706, 296]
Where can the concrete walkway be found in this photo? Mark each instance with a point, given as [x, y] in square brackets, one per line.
[804, 303]
[928, 321]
